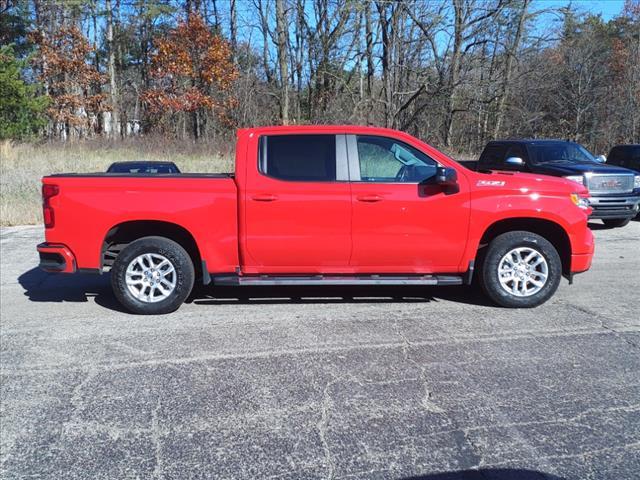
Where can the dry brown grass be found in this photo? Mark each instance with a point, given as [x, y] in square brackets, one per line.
[23, 165]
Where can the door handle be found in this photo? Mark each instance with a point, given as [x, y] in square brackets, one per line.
[369, 198]
[264, 197]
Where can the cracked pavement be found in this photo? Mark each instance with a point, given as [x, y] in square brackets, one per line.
[320, 382]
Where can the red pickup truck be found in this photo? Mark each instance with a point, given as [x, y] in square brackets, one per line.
[319, 205]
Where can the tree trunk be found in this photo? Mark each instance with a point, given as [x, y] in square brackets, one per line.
[233, 26]
[299, 56]
[216, 16]
[369, 41]
[282, 29]
[387, 49]
[113, 85]
[454, 66]
[264, 27]
[508, 69]
[40, 17]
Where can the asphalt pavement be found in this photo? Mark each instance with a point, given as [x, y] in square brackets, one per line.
[328, 383]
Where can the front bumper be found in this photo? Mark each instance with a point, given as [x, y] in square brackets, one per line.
[581, 262]
[56, 257]
[614, 207]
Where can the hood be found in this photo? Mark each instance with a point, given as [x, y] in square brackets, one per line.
[526, 183]
[565, 167]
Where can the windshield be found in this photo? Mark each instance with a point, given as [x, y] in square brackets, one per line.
[560, 152]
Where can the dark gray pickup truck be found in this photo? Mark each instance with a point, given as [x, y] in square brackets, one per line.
[614, 191]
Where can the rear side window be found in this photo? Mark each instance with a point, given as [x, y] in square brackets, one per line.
[493, 155]
[628, 156]
[634, 158]
[615, 156]
[310, 158]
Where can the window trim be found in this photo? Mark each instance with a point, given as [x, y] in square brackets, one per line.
[340, 151]
[354, 160]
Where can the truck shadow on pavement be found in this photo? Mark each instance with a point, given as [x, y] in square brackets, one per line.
[335, 294]
[40, 286]
[488, 474]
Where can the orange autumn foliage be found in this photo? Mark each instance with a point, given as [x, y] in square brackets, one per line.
[73, 84]
[193, 69]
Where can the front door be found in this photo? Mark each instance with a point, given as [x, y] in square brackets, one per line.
[402, 221]
[298, 206]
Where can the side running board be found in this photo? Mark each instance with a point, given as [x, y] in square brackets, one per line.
[256, 280]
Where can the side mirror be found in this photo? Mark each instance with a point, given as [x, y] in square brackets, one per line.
[447, 177]
[601, 159]
[514, 161]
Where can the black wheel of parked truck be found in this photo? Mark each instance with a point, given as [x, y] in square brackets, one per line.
[152, 275]
[616, 222]
[520, 269]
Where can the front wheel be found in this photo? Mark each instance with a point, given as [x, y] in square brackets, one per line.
[616, 222]
[152, 275]
[520, 270]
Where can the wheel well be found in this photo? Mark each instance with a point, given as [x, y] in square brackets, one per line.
[545, 228]
[121, 235]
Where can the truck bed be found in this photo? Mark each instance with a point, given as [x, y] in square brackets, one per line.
[90, 206]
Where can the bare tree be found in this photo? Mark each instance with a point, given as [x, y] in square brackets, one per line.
[113, 83]
[454, 72]
[283, 41]
[511, 53]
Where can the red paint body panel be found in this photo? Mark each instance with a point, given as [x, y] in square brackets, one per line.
[413, 228]
[88, 207]
[263, 225]
[305, 229]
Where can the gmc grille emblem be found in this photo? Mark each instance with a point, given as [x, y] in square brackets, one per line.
[611, 183]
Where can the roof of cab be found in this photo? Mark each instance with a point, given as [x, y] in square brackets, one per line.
[320, 129]
[533, 141]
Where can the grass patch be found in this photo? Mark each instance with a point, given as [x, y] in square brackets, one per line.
[23, 165]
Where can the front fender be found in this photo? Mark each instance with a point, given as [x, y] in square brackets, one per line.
[489, 209]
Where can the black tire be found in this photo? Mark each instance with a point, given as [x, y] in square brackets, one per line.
[180, 260]
[498, 248]
[616, 222]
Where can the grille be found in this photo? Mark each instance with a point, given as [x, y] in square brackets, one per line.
[600, 183]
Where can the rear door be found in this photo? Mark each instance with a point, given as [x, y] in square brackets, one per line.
[298, 205]
[402, 221]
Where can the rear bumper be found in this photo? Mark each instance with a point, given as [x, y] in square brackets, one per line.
[614, 207]
[56, 257]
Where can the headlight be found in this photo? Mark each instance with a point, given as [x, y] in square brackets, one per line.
[576, 178]
[580, 202]
[636, 182]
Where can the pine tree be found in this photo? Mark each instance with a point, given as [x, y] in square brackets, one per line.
[21, 110]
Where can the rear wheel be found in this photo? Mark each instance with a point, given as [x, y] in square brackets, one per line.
[616, 222]
[152, 275]
[520, 270]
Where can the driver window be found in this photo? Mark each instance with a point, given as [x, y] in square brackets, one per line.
[386, 160]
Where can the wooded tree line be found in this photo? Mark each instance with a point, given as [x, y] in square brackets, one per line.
[455, 73]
